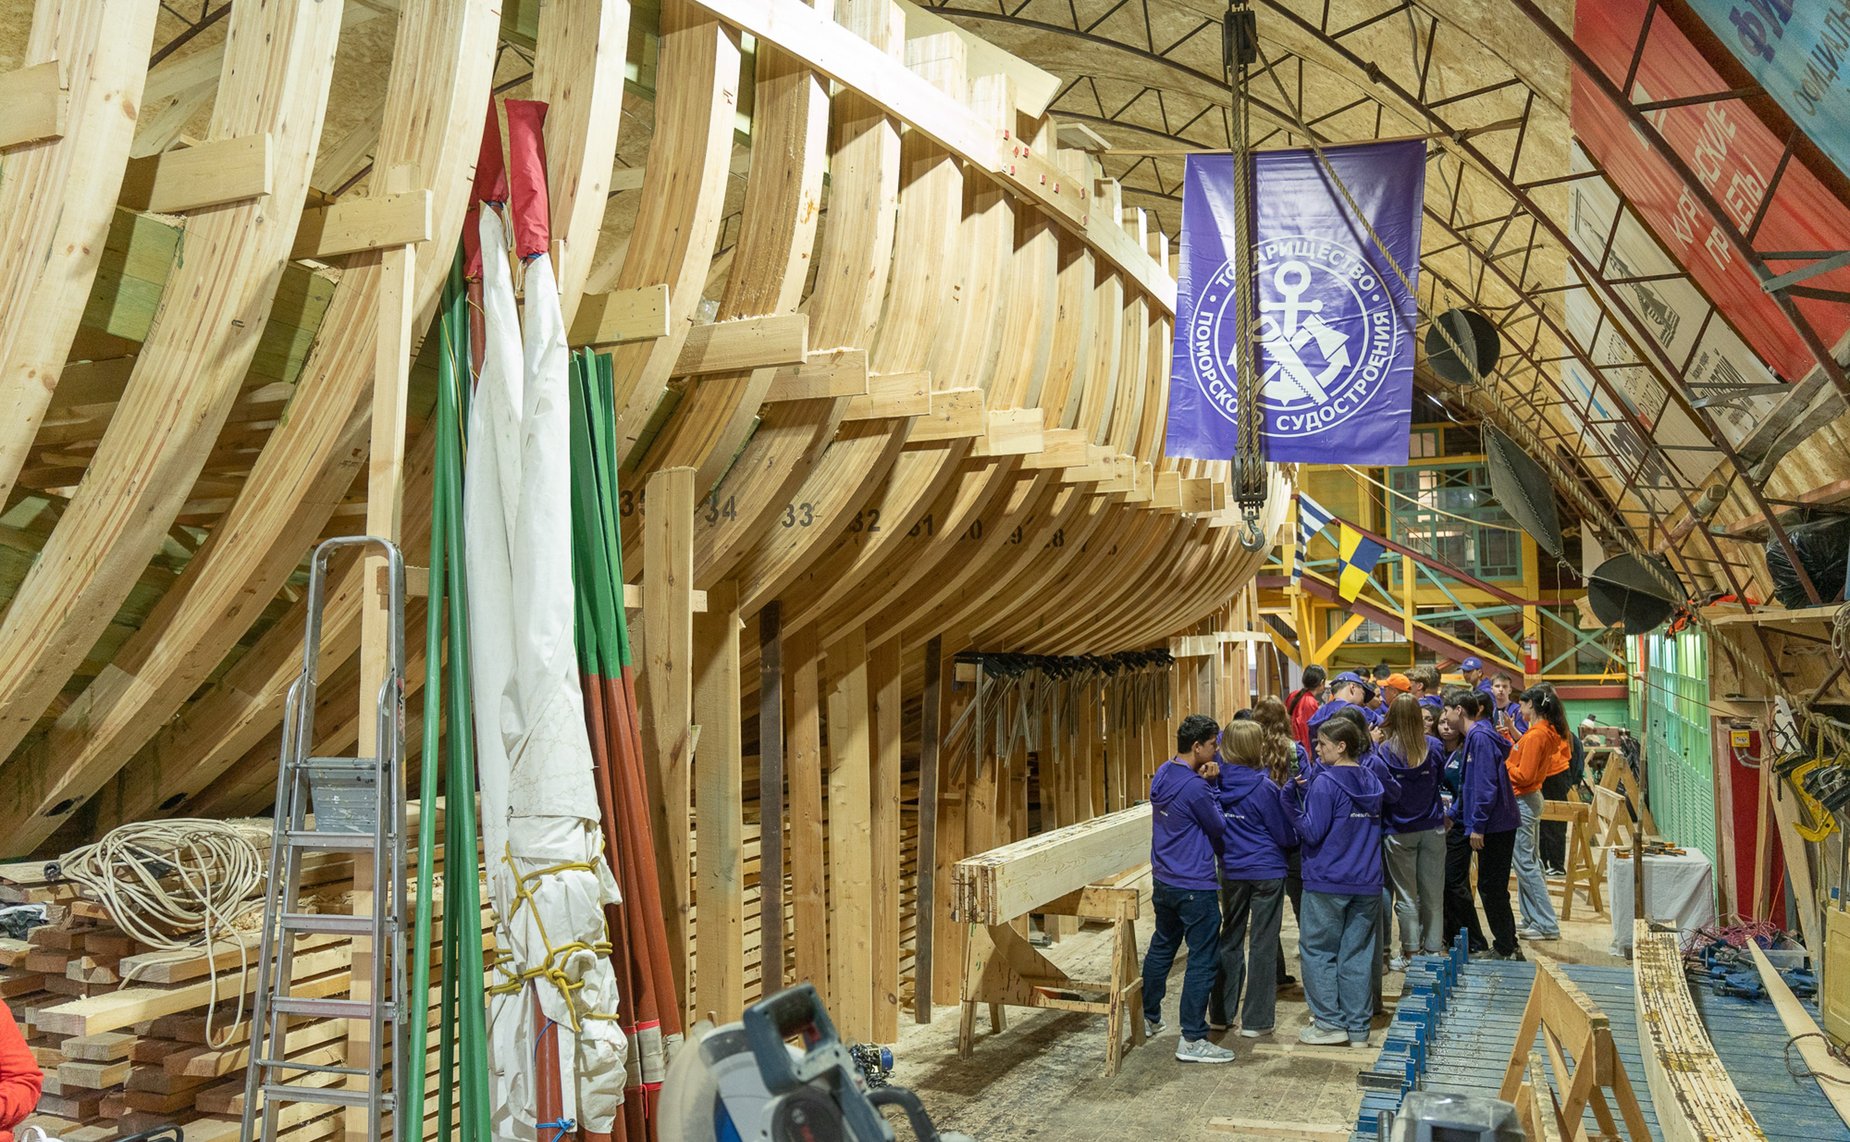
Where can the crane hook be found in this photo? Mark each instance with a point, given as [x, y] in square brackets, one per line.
[1251, 538]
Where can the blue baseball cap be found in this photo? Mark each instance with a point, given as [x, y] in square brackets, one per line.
[1472, 663]
[1352, 676]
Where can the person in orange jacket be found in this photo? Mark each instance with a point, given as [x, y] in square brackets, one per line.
[20, 1077]
[1541, 752]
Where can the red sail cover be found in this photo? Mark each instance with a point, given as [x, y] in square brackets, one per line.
[1734, 156]
[526, 153]
[490, 186]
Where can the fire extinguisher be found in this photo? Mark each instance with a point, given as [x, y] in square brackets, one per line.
[1531, 661]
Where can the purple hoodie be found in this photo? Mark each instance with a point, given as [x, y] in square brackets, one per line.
[1411, 803]
[1486, 803]
[1372, 717]
[1258, 829]
[1340, 823]
[1187, 831]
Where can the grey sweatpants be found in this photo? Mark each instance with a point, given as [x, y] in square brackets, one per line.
[1416, 870]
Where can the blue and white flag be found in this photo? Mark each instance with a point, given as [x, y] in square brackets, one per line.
[1313, 517]
[1335, 322]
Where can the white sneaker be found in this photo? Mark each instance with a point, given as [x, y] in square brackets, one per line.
[1536, 934]
[1323, 1037]
[1255, 1032]
[1152, 1030]
[1398, 963]
[1202, 1051]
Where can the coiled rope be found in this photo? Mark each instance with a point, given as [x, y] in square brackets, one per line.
[180, 886]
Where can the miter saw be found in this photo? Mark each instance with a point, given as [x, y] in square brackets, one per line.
[748, 1082]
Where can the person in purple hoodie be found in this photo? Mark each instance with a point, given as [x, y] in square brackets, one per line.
[1252, 891]
[1408, 763]
[1339, 822]
[1188, 836]
[1346, 690]
[1486, 811]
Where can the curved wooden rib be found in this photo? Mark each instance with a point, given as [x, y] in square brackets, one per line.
[278, 63]
[929, 210]
[770, 263]
[683, 200]
[57, 199]
[578, 74]
[854, 260]
[431, 128]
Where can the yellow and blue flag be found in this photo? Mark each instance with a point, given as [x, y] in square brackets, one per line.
[1356, 556]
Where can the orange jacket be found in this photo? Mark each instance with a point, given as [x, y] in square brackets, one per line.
[20, 1077]
[1540, 754]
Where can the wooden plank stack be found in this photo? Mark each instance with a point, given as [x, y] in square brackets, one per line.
[131, 1038]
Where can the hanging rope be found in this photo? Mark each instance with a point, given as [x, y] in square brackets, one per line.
[179, 886]
[1239, 50]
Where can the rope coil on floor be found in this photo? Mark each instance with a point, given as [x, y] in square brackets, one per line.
[179, 886]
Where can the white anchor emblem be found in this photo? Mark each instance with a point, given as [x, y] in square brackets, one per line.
[1287, 334]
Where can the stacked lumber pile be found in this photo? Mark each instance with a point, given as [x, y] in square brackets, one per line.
[1007, 882]
[129, 1038]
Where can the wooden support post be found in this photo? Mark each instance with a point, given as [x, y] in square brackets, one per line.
[667, 692]
[771, 796]
[949, 929]
[719, 851]
[883, 672]
[925, 905]
[385, 477]
[851, 896]
[808, 873]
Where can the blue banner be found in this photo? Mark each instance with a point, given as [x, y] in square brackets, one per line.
[1799, 51]
[1335, 323]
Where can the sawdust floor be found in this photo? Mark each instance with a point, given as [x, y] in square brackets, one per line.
[1043, 1078]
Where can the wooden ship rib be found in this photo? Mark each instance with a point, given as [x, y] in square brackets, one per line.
[889, 360]
[891, 346]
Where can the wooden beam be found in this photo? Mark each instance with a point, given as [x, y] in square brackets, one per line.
[209, 174]
[955, 414]
[633, 596]
[1008, 882]
[1060, 448]
[851, 890]
[37, 100]
[771, 797]
[620, 315]
[822, 376]
[743, 344]
[808, 870]
[931, 720]
[891, 396]
[1011, 432]
[377, 222]
[1690, 1088]
[667, 684]
[1826, 1067]
[719, 922]
[883, 675]
[1033, 88]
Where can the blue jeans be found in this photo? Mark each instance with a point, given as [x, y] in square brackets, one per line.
[1183, 913]
[1538, 911]
[1337, 943]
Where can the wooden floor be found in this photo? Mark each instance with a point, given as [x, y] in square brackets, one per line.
[1043, 1077]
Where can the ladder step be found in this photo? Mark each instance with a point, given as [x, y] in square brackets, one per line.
[318, 922]
[313, 1068]
[329, 1008]
[328, 1095]
[319, 839]
[364, 764]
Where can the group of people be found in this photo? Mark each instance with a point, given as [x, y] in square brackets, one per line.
[1361, 800]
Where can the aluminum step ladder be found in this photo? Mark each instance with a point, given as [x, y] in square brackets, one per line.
[358, 806]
